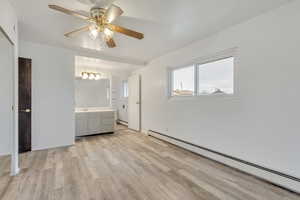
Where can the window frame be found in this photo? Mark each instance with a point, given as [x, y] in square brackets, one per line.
[229, 53]
[171, 78]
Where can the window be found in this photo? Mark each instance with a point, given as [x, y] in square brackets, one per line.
[216, 77]
[209, 78]
[125, 89]
[183, 81]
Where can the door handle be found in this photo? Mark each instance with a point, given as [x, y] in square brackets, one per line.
[137, 102]
[26, 110]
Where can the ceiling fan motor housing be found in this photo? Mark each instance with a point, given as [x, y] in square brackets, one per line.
[97, 12]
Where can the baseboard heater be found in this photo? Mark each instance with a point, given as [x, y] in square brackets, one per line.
[231, 158]
[122, 122]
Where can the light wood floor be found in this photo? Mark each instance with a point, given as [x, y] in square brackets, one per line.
[128, 166]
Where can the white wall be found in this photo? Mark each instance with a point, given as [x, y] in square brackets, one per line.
[260, 123]
[52, 95]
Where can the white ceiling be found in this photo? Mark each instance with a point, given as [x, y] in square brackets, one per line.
[167, 24]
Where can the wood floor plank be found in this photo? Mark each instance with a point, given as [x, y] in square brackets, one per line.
[128, 166]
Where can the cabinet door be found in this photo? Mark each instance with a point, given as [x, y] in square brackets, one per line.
[107, 121]
[81, 124]
[108, 115]
[94, 122]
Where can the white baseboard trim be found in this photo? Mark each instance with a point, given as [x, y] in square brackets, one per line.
[52, 147]
[281, 181]
[5, 154]
[144, 132]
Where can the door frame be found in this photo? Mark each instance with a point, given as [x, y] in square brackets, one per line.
[14, 168]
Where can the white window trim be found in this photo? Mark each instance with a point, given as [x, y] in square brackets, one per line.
[232, 52]
[170, 80]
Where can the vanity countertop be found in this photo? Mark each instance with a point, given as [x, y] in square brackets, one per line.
[94, 110]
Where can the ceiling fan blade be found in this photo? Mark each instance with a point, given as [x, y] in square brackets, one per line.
[69, 12]
[110, 42]
[112, 13]
[86, 28]
[126, 31]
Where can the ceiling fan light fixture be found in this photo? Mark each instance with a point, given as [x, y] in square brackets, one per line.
[100, 29]
[108, 32]
[94, 32]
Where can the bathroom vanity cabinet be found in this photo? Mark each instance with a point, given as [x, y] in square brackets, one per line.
[94, 122]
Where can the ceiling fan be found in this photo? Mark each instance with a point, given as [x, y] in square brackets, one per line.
[100, 21]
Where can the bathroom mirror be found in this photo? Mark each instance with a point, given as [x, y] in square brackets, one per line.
[92, 93]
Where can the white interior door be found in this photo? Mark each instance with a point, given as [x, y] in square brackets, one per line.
[134, 102]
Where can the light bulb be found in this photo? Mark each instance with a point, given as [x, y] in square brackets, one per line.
[84, 75]
[97, 77]
[94, 32]
[108, 32]
[91, 76]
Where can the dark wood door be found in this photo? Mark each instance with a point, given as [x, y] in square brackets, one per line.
[24, 105]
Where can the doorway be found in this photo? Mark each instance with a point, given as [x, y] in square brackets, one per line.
[24, 105]
[134, 102]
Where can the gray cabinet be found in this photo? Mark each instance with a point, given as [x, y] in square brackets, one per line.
[95, 122]
[81, 124]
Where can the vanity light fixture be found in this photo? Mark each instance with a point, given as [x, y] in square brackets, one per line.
[90, 76]
[97, 76]
[84, 75]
